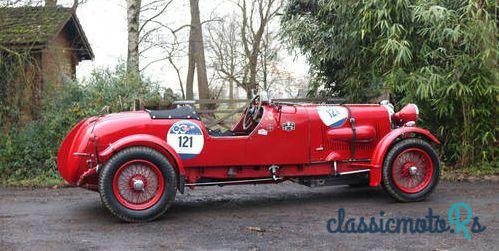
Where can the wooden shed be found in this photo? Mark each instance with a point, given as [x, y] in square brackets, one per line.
[54, 40]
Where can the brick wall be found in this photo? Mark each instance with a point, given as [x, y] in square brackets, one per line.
[58, 61]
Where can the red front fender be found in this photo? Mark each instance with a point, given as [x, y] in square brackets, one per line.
[384, 145]
[144, 140]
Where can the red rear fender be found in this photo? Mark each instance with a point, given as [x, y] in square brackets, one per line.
[69, 165]
[144, 140]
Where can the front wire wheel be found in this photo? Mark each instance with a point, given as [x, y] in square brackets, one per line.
[137, 184]
[411, 170]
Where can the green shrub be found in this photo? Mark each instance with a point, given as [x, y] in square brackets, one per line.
[28, 153]
[439, 54]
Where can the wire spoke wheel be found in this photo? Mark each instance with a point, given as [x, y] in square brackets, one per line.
[138, 184]
[412, 170]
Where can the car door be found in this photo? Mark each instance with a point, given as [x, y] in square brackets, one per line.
[281, 137]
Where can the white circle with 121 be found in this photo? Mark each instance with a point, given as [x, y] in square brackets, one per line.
[186, 137]
[333, 116]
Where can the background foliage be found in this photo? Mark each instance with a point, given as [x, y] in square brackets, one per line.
[440, 54]
[28, 151]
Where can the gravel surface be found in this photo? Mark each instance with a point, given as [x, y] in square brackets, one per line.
[262, 217]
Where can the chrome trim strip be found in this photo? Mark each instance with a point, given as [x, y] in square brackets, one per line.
[356, 171]
[82, 154]
[228, 182]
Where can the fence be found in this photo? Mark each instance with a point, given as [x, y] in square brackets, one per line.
[227, 109]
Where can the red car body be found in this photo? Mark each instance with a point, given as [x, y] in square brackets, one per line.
[305, 142]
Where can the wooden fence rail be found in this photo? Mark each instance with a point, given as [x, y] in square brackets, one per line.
[228, 101]
[209, 108]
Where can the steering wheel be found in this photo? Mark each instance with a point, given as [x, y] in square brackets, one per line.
[252, 112]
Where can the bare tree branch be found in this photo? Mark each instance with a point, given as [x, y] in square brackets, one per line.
[144, 23]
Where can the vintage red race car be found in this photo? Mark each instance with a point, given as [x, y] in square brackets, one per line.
[138, 160]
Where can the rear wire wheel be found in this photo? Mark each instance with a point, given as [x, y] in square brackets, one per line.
[411, 170]
[137, 184]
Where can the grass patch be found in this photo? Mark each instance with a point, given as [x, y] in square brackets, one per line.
[46, 179]
[463, 173]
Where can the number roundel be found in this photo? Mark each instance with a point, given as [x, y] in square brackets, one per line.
[186, 138]
[333, 116]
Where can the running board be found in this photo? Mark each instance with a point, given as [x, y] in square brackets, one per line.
[231, 182]
[344, 178]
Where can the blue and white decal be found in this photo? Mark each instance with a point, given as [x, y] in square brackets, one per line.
[186, 138]
[333, 116]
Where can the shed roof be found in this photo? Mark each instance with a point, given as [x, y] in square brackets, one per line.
[36, 26]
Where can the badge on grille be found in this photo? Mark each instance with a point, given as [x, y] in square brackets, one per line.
[288, 126]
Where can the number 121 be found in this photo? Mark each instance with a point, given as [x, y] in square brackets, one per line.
[185, 141]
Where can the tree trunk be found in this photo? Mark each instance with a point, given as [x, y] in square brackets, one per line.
[466, 146]
[253, 61]
[253, 58]
[231, 94]
[133, 14]
[264, 66]
[252, 86]
[190, 69]
[198, 49]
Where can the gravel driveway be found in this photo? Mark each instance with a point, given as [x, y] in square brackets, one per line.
[262, 217]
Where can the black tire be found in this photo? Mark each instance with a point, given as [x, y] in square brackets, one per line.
[388, 180]
[109, 170]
